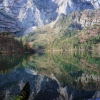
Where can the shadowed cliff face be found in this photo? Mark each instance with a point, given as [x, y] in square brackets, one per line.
[8, 23]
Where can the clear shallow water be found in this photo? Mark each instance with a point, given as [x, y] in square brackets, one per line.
[69, 75]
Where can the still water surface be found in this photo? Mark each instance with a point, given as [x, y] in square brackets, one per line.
[68, 75]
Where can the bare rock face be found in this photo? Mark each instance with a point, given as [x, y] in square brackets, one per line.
[91, 18]
[84, 19]
[31, 13]
[40, 12]
[8, 23]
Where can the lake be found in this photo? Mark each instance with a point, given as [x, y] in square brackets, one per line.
[52, 76]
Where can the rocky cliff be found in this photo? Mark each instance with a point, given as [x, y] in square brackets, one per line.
[88, 18]
[40, 12]
[8, 23]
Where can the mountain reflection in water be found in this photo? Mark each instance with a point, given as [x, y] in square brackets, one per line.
[52, 76]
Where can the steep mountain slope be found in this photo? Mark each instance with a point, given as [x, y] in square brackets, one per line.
[40, 12]
[8, 23]
[65, 31]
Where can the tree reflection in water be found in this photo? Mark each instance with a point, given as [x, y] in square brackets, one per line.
[73, 73]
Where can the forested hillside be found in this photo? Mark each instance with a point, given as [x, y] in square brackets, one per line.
[11, 44]
[77, 31]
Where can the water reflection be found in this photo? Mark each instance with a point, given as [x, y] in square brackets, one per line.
[10, 62]
[67, 75]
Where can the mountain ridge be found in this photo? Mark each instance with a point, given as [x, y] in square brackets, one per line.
[41, 12]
